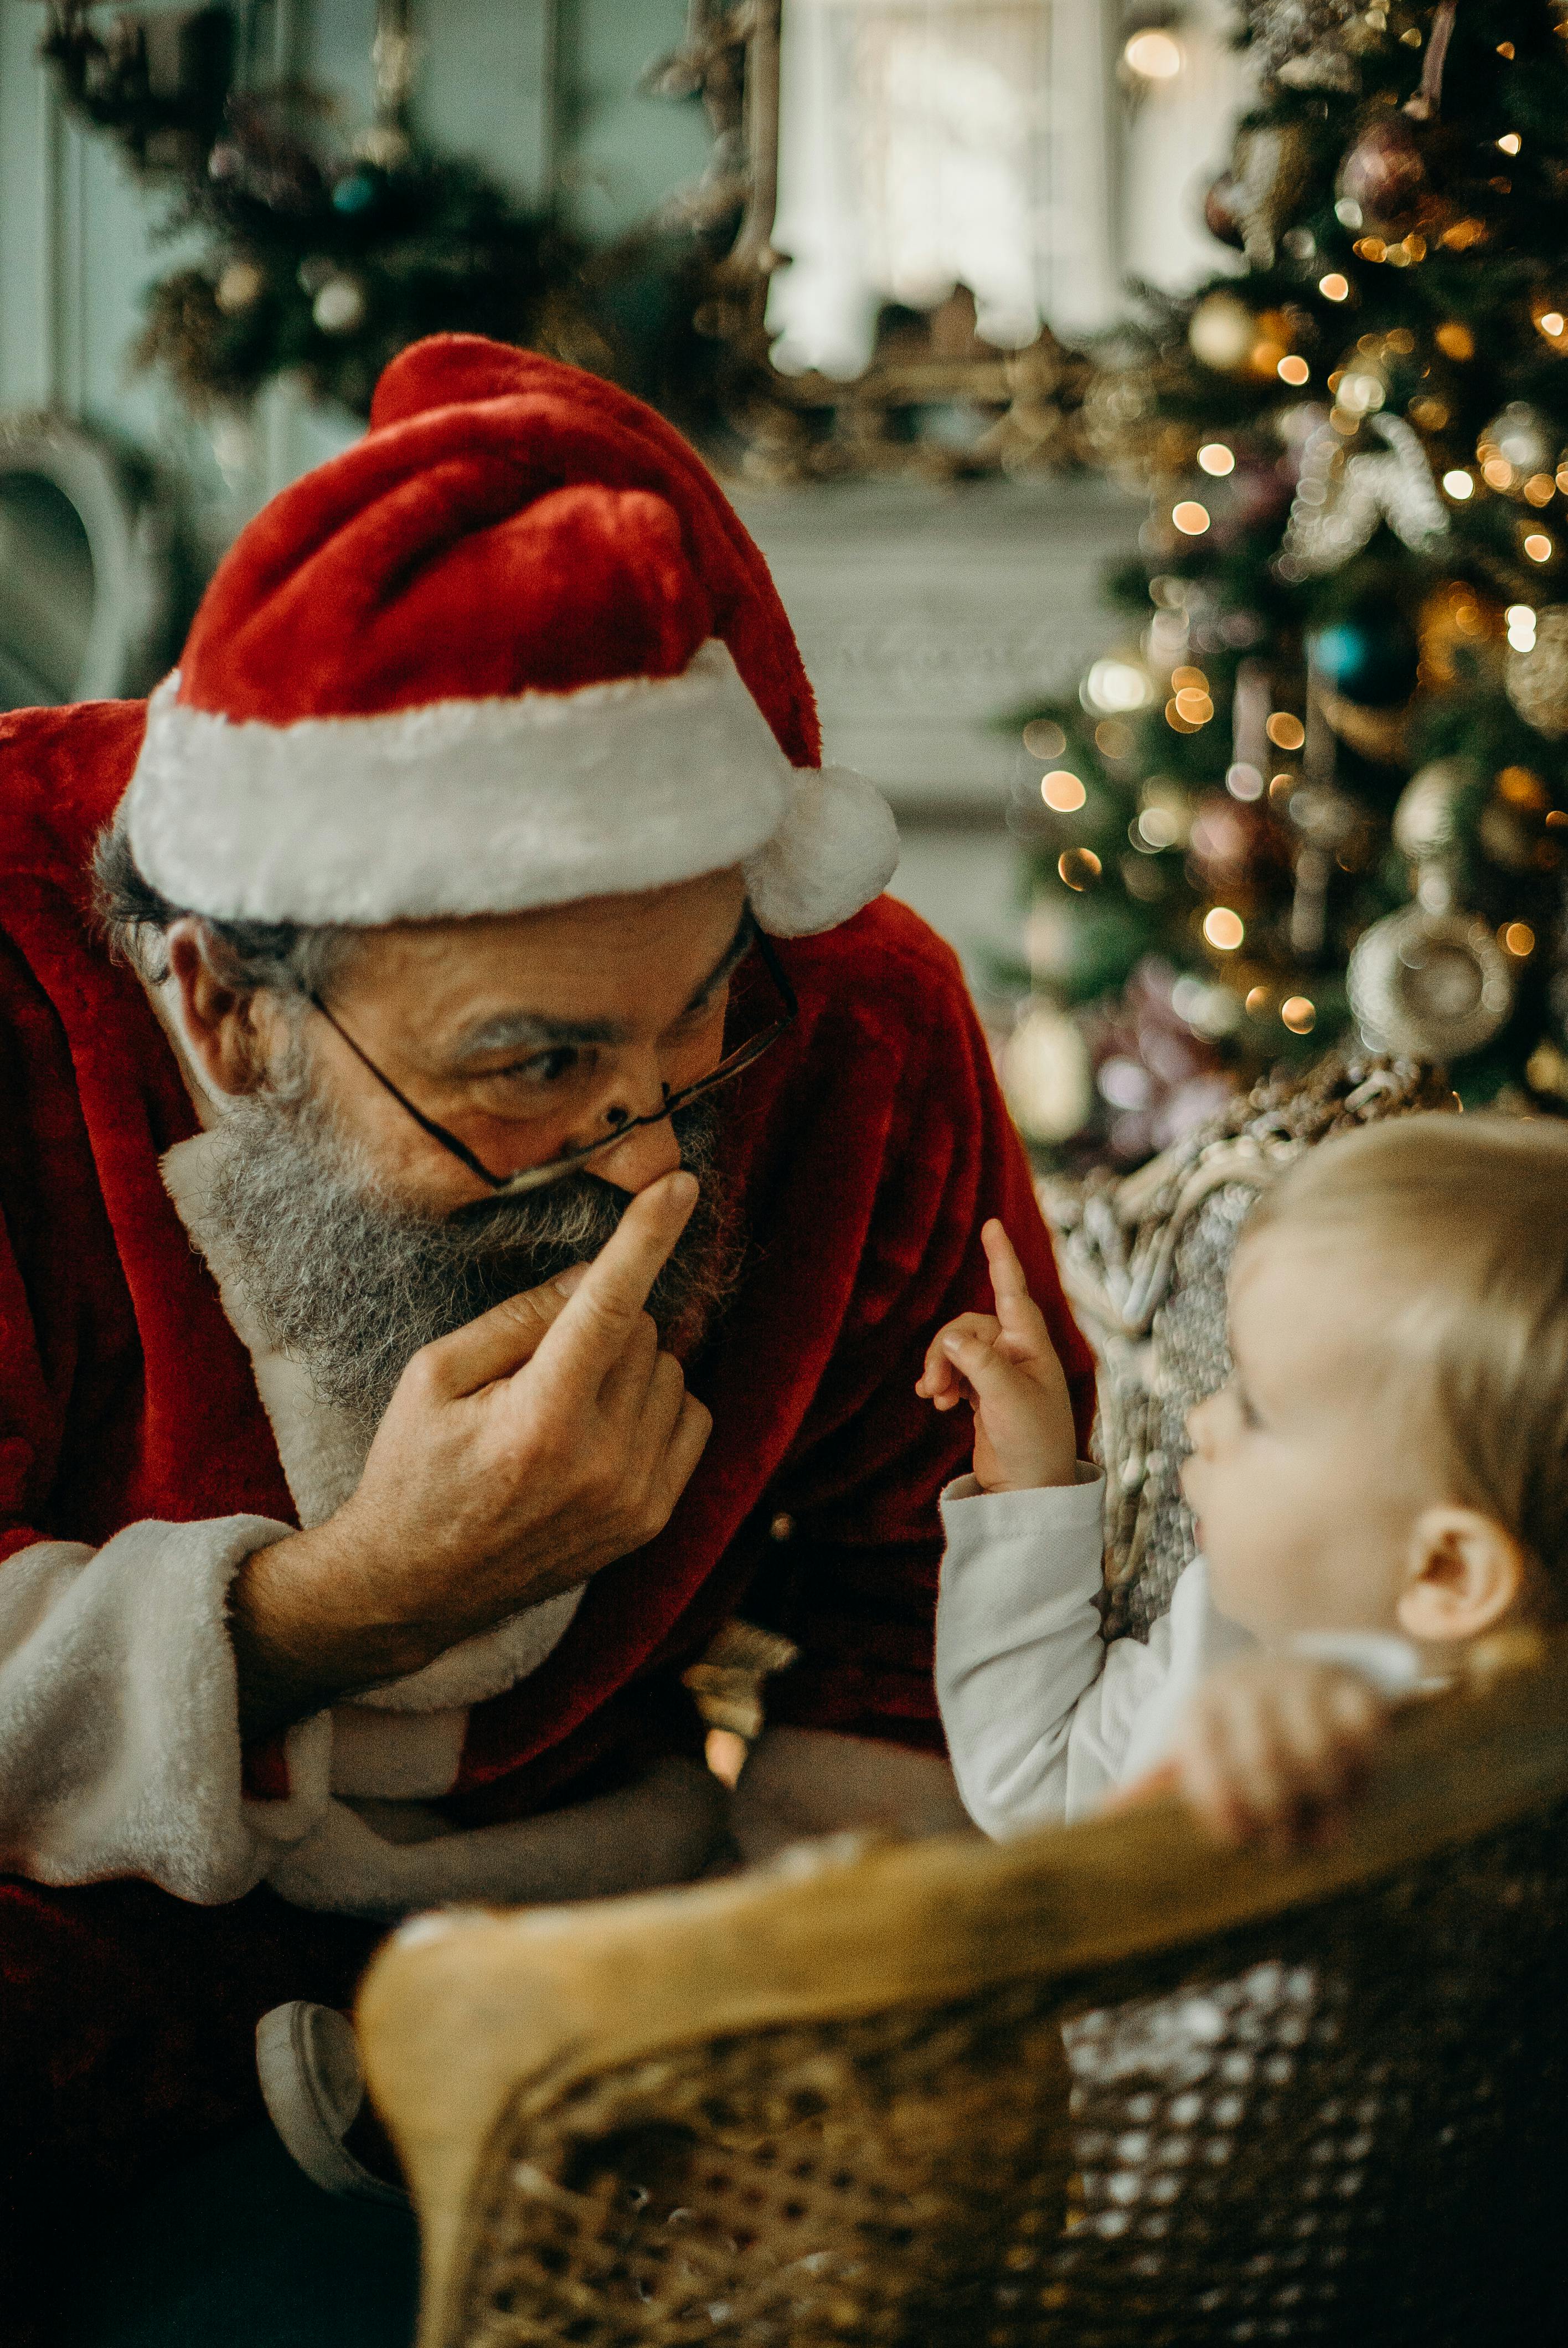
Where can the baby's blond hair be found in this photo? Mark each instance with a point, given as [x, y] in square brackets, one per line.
[1472, 1213]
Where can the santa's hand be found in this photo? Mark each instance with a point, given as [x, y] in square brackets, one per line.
[516, 1457]
[1005, 1367]
[1275, 1748]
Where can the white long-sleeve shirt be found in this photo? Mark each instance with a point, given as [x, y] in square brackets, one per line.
[1044, 1716]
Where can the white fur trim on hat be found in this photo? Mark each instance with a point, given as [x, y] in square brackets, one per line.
[836, 849]
[499, 806]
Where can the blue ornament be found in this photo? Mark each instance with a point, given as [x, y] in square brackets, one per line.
[1370, 659]
[357, 191]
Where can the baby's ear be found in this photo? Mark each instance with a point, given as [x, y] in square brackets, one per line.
[1464, 1572]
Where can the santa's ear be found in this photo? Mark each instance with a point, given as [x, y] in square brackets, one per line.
[217, 1017]
[1464, 1572]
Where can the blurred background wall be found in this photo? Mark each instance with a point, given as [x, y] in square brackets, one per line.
[926, 612]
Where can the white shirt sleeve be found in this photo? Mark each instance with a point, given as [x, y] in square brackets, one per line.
[1043, 1717]
[119, 1731]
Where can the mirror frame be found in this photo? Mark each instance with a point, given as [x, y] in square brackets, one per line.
[788, 428]
[129, 529]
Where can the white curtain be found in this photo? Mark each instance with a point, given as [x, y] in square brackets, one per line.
[925, 144]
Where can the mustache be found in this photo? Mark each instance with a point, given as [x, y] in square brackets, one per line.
[353, 1282]
[580, 1209]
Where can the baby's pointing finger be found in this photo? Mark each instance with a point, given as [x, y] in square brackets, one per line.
[1017, 1310]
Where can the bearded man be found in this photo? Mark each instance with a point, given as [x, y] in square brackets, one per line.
[473, 1225]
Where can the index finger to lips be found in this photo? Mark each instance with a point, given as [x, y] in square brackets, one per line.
[601, 1314]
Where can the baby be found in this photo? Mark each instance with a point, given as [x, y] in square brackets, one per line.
[1383, 1480]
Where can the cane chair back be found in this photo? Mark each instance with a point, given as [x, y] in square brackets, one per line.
[1104, 2088]
[1144, 1259]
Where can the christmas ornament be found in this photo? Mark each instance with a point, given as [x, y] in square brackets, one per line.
[1427, 821]
[1430, 986]
[1269, 171]
[1221, 210]
[1385, 177]
[1537, 679]
[240, 287]
[1387, 174]
[1222, 332]
[1368, 659]
[1156, 1065]
[1461, 633]
[339, 305]
[1341, 496]
[1376, 734]
[1047, 1076]
[1507, 836]
[1516, 445]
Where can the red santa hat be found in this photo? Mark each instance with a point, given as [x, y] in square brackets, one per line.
[512, 649]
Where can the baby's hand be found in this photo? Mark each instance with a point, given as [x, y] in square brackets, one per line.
[1274, 1750]
[1005, 1367]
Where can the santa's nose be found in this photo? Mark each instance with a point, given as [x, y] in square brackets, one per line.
[648, 1152]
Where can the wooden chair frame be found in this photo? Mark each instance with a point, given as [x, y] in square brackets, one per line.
[461, 2009]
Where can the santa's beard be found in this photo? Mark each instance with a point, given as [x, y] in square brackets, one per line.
[350, 1282]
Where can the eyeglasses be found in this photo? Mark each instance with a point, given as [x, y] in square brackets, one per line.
[536, 1178]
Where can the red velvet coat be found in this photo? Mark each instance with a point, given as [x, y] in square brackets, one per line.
[867, 1150]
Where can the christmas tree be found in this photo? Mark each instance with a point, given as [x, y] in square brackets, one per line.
[1320, 787]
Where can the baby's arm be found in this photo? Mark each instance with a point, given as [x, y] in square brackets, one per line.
[1037, 1709]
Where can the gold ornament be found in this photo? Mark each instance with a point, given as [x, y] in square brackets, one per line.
[1511, 828]
[1222, 332]
[1458, 627]
[1046, 1074]
[241, 285]
[1537, 679]
[1375, 734]
[1515, 446]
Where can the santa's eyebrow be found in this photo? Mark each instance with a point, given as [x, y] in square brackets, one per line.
[531, 1031]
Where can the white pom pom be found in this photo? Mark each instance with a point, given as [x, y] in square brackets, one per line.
[836, 849]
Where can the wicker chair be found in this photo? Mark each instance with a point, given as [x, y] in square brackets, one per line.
[1144, 1259]
[1103, 2086]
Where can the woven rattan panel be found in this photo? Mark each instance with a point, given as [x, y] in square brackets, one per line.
[1146, 1258]
[1346, 2127]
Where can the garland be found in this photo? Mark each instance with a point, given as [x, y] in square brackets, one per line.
[322, 262]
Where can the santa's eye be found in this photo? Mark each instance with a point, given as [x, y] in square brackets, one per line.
[553, 1066]
[543, 1077]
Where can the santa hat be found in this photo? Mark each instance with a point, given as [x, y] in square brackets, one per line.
[512, 649]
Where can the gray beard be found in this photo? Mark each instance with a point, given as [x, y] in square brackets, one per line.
[352, 1283]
